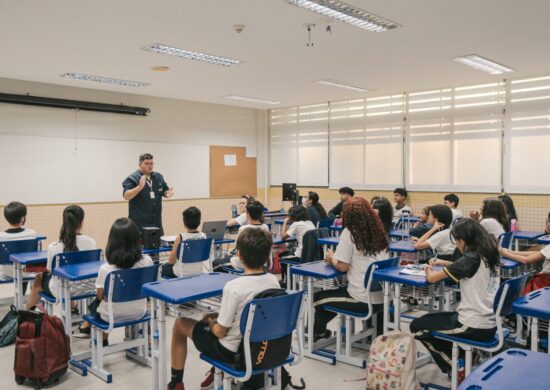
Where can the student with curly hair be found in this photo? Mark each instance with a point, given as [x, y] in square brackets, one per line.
[362, 242]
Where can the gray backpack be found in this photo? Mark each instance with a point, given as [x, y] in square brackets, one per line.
[8, 327]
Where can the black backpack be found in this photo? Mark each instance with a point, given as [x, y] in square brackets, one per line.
[268, 353]
[8, 327]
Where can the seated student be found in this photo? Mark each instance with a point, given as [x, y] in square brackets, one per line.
[345, 194]
[422, 226]
[400, 208]
[385, 211]
[71, 239]
[438, 238]
[493, 217]
[16, 215]
[362, 242]
[219, 336]
[510, 209]
[175, 268]
[315, 209]
[539, 280]
[241, 219]
[451, 200]
[477, 271]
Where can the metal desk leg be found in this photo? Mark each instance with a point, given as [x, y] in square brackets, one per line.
[387, 296]
[18, 298]
[397, 306]
[535, 334]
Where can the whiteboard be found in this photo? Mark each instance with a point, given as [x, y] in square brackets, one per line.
[46, 170]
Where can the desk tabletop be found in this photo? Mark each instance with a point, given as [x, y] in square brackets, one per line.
[275, 214]
[510, 370]
[316, 269]
[81, 271]
[28, 258]
[336, 228]
[399, 233]
[158, 250]
[394, 275]
[508, 263]
[535, 304]
[545, 240]
[277, 240]
[402, 247]
[188, 288]
[527, 235]
[328, 241]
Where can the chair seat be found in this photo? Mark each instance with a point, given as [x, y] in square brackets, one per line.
[479, 344]
[50, 298]
[103, 325]
[232, 371]
[354, 314]
[289, 261]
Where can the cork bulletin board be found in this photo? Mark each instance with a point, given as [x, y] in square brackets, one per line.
[231, 172]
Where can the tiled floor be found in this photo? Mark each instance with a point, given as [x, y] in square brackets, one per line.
[129, 375]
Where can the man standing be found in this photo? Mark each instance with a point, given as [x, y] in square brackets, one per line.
[144, 190]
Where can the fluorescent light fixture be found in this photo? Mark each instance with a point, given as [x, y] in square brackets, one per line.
[334, 83]
[346, 13]
[480, 63]
[191, 55]
[102, 79]
[252, 100]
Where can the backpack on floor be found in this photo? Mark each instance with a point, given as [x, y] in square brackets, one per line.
[280, 251]
[42, 349]
[392, 362]
[8, 327]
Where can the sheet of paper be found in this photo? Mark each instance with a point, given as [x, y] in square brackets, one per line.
[230, 160]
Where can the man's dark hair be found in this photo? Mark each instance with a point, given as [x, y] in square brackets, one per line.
[192, 217]
[145, 156]
[401, 191]
[254, 245]
[14, 212]
[346, 190]
[451, 198]
[255, 209]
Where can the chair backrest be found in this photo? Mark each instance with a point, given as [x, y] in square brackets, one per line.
[125, 285]
[311, 250]
[507, 293]
[505, 239]
[8, 248]
[456, 220]
[382, 264]
[194, 251]
[272, 317]
[325, 223]
[68, 258]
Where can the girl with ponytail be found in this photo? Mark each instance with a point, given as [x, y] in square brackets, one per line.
[315, 210]
[477, 272]
[71, 239]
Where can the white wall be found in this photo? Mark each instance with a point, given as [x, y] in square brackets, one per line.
[170, 121]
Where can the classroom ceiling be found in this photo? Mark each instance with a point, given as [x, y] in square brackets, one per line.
[40, 40]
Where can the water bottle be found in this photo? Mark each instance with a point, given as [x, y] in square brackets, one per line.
[513, 225]
[234, 213]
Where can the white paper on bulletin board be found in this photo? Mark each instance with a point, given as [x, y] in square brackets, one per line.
[230, 160]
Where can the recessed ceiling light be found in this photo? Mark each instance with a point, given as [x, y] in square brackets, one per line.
[102, 79]
[191, 55]
[480, 63]
[160, 68]
[334, 83]
[346, 13]
[252, 100]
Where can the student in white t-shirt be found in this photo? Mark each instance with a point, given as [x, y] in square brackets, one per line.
[493, 217]
[451, 200]
[400, 209]
[438, 238]
[254, 216]
[71, 239]
[362, 242]
[297, 224]
[241, 219]
[539, 280]
[219, 336]
[477, 271]
[175, 268]
[16, 215]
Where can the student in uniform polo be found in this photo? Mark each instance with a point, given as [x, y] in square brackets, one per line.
[144, 189]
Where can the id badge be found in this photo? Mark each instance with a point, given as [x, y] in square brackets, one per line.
[152, 194]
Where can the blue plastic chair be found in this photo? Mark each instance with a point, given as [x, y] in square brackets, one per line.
[121, 286]
[325, 223]
[507, 293]
[345, 330]
[264, 320]
[8, 248]
[195, 251]
[505, 240]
